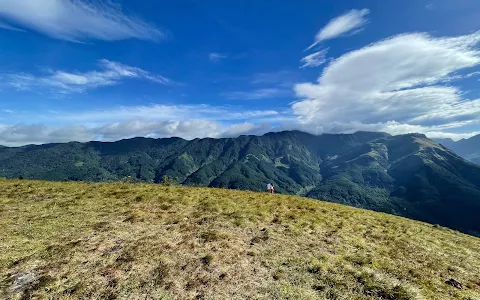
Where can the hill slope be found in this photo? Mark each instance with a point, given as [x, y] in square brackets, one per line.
[405, 175]
[139, 241]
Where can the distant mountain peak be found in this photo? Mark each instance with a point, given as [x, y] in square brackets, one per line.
[467, 148]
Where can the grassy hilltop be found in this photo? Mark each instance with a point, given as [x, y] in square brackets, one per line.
[144, 241]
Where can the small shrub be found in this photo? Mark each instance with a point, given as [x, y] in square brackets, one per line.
[276, 220]
[130, 218]
[239, 221]
[360, 259]
[71, 290]
[128, 179]
[169, 181]
[124, 258]
[208, 236]
[100, 226]
[278, 274]
[382, 290]
[160, 273]
[211, 236]
[319, 287]
[397, 292]
[314, 266]
[207, 259]
[263, 237]
[165, 206]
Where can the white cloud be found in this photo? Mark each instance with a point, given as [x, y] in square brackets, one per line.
[393, 85]
[166, 113]
[255, 94]
[23, 134]
[67, 82]
[186, 121]
[214, 56]
[18, 135]
[391, 127]
[472, 74]
[77, 20]
[187, 129]
[314, 60]
[350, 22]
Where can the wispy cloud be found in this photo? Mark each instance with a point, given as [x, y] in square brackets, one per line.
[159, 112]
[214, 56]
[77, 20]
[477, 73]
[350, 22]
[255, 94]
[77, 82]
[314, 60]
[265, 85]
[282, 80]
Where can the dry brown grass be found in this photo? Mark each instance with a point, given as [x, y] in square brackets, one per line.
[140, 241]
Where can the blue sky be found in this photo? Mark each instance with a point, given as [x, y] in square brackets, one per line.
[107, 70]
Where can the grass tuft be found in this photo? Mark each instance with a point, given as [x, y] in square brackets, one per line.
[207, 259]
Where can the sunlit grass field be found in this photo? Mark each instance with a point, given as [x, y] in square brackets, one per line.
[143, 241]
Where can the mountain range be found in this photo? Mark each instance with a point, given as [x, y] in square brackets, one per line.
[467, 148]
[407, 175]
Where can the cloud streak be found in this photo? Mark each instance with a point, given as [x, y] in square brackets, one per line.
[216, 57]
[314, 60]
[350, 22]
[166, 113]
[110, 73]
[77, 20]
[257, 94]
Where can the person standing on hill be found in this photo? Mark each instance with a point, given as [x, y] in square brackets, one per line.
[269, 188]
[272, 190]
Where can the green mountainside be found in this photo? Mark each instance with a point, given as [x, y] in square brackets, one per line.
[407, 175]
